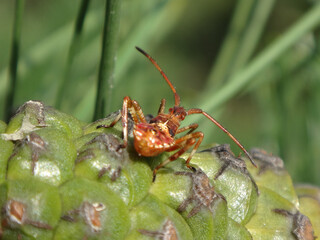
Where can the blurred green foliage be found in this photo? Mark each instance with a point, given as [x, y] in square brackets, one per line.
[277, 109]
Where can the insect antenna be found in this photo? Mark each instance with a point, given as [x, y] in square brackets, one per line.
[176, 96]
[199, 111]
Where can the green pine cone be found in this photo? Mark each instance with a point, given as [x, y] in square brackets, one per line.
[63, 179]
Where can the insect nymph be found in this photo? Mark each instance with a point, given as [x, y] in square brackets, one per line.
[158, 135]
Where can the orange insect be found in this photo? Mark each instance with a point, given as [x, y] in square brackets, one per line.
[158, 135]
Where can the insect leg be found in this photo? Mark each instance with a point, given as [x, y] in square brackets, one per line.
[162, 106]
[197, 135]
[199, 111]
[192, 127]
[137, 115]
[137, 111]
[184, 143]
[134, 108]
[184, 146]
[112, 123]
[127, 103]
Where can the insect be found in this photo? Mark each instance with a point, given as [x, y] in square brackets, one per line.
[158, 135]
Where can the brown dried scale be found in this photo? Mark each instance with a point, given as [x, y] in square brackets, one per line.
[114, 175]
[228, 158]
[37, 107]
[14, 213]
[168, 232]
[28, 125]
[85, 155]
[202, 193]
[109, 144]
[37, 146]
[267, 160]
[90, 213]
[301, 226]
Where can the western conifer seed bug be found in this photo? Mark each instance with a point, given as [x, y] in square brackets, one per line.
[158, 135]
